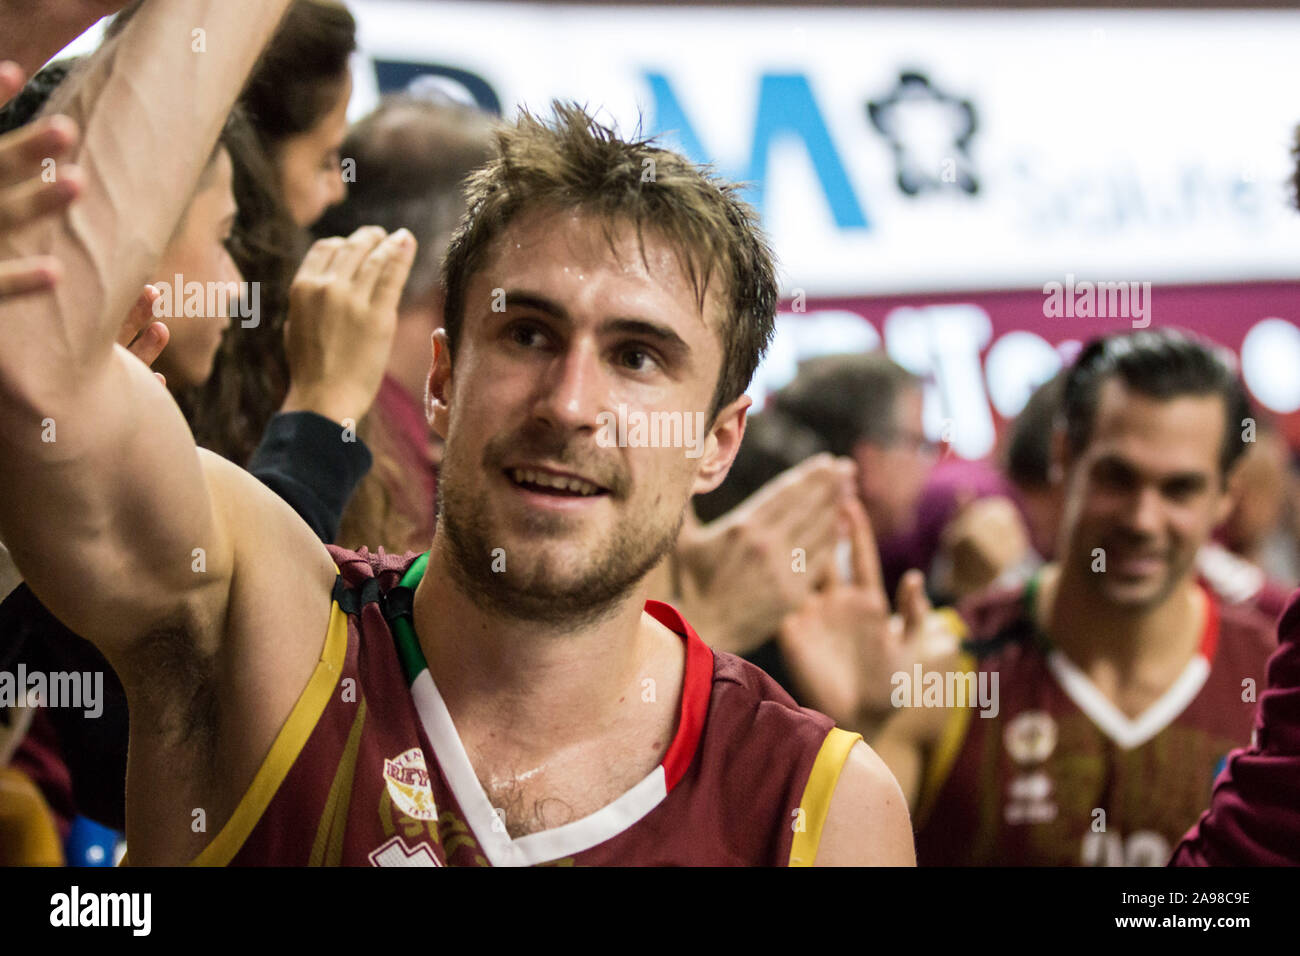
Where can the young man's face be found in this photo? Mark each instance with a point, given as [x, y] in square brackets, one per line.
[559, 331]
[1146, 491]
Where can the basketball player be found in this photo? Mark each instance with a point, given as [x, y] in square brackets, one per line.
[510, 698]
[1122, 682]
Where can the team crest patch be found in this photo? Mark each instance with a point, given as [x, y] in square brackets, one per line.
[407, 777]
[1031, 737]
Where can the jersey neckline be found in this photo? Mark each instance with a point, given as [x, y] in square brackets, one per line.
[594, 828]
[1128, 732]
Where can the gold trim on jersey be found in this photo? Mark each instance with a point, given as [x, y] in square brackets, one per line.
[954, 622]
[817, 792]
[288, 744]
[946, 750]
[28, 834]
[327, 848]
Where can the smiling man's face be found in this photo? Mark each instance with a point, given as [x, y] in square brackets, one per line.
[542, 519]
[1145, 493]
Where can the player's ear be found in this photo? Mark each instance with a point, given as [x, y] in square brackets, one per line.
[720, 445]
[438, 389]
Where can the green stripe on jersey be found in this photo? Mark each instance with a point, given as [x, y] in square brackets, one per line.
[408, 646]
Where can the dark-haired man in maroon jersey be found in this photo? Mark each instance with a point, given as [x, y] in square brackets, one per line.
[1121, 682]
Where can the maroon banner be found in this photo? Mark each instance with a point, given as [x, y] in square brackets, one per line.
[983, 352]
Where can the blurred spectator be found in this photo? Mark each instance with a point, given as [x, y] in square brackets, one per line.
[297, 98]
[1259, 527]
[862, 407]
[867, 408]
[412, 156]
[296, 102]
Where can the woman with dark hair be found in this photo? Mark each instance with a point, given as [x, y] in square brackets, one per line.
[297, 100]
[290, 173]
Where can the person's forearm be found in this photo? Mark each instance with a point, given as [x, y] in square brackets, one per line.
[150, 106]
[103, 482]
[32, 32]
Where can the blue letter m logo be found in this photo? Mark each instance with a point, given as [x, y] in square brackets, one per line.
[786, 107]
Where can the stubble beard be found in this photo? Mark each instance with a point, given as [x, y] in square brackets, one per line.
[531, 587]
[1173, 577]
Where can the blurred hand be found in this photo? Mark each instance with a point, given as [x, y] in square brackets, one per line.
[141, 335]
[27, 160]
[986, 538]
[843, 647]
[342, 316]
[739, 575]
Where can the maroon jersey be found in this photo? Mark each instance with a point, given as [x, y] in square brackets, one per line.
[369, 770]
[1254, 816]
[1059, 775]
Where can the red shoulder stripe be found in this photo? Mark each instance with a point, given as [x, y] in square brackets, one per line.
[697, 684]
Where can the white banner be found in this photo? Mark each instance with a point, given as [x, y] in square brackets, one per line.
[903, 151]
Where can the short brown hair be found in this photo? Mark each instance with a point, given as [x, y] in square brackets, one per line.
[845, 399]
[412, 155]
[576, 163]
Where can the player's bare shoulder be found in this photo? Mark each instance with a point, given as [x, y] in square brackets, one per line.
[867, 823]
[279, 607]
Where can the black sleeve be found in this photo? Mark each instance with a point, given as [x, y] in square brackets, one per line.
[312, 464]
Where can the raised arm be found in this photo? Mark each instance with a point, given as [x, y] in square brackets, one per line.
[106, 508]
